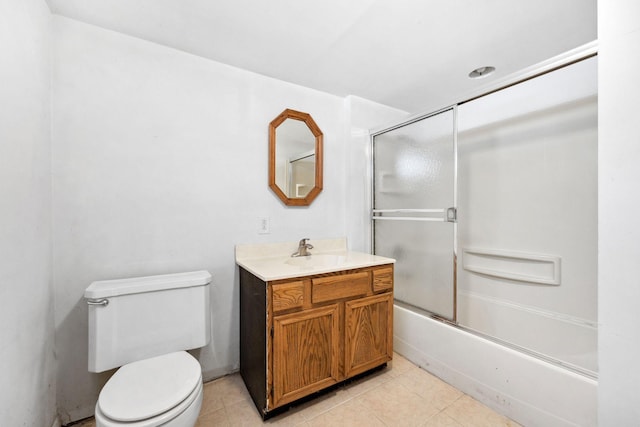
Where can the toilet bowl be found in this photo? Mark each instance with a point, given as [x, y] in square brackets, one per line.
[161, 391]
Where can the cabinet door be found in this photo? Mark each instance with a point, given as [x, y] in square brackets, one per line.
[369, 333]
[305, 353]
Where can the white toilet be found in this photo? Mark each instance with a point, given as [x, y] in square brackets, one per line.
[144, 325]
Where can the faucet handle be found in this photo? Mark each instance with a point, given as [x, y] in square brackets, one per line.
[303, 247]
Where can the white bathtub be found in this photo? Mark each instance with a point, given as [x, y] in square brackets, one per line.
[528, 390]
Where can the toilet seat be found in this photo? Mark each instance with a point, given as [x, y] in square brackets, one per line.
[150, 392]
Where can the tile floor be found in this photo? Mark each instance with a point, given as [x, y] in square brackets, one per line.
[400, 395]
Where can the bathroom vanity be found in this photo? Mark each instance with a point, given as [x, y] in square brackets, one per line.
[309, 323]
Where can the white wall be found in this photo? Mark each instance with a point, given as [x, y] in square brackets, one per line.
[619, 208]
[160, 165]
[27, 385]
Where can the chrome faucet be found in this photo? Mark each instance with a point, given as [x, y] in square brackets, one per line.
[303, 248]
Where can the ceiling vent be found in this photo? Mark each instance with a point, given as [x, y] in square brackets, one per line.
[481, 72]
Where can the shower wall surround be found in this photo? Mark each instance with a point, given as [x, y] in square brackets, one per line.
[528, 215]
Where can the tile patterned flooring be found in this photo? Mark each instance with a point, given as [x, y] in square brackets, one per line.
[402, 394]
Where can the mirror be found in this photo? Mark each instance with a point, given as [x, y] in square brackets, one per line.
[295, 158]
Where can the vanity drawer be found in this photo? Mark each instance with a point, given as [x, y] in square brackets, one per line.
[382, 279]
[286, 296]
[332, 288]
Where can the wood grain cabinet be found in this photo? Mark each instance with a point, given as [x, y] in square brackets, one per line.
[299, 336]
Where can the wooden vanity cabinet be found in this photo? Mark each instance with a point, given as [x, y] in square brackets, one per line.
[299, 336]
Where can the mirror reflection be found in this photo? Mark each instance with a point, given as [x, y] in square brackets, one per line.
[295, 158]
[295, 163]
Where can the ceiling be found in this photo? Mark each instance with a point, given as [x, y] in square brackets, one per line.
[407, 54]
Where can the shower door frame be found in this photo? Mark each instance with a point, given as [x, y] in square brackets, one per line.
[372, 217]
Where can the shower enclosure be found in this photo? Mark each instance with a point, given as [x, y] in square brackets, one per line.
[490, 209]
[414, 210]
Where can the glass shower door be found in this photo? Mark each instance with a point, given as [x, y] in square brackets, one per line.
[414, 210]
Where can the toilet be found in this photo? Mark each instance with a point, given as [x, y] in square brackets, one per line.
[143, 326]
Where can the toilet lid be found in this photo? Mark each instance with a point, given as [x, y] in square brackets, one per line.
[149, 387]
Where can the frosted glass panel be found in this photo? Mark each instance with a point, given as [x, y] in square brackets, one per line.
[424, 267]
[414, 172]
[414, 165]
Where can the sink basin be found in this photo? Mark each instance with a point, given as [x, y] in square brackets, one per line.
[317, 261]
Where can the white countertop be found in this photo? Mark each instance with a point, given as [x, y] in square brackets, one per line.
[273, 261]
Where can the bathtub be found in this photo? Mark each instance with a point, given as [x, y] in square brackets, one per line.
[531, 391]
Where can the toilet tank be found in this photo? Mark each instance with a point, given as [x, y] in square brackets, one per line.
[143, 317]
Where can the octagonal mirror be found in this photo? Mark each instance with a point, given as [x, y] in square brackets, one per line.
[295, 158]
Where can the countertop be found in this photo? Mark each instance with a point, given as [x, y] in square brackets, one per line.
[273, 261]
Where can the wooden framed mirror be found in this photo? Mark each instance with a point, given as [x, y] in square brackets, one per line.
[295, 158]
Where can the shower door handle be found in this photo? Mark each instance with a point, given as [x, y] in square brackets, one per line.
[103, 302]
[452, 215]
